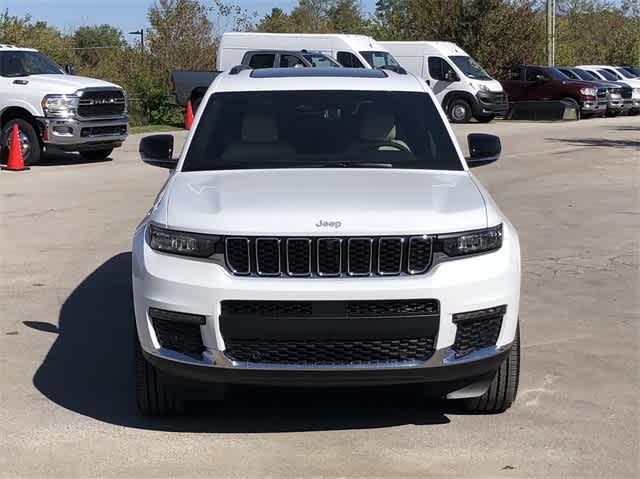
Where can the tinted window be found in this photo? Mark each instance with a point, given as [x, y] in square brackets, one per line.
[379, 59]
[569, 73]
[349, 60]
[438, 68]
[320, 129]
[470, 67]
[532, 74]
[320, 61]
[24, 63]
[515, 73]
[262, 60]
[289, 61]
[608, 75]
[585, 75]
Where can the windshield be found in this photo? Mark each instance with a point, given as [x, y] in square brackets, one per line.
[321, 129]
[608, 75]
[379, 59]
[571, 74]
[470, 67]
[321, 61]
[585, 75]
[556, 74]
[25, 63]
[632, 72]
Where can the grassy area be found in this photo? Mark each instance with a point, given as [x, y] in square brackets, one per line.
[154, 128]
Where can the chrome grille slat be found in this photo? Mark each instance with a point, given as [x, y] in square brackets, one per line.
[334, 257]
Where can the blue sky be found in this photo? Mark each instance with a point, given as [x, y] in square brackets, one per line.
[128, 15]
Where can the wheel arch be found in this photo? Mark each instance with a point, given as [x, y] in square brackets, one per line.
[13, 112]
[460, 94]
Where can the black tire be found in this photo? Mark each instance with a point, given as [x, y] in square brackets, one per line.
[459, 111]
[485, 118]
[96, 155]
[504, 387]
[153, 397]
[32, 148]
[576, 105]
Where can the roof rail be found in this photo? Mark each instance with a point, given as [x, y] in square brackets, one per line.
[396, 69]
[238, 68]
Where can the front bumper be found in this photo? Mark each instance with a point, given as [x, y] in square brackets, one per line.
[199, 286]
[70, 134]
[491, 103]
[594, 106]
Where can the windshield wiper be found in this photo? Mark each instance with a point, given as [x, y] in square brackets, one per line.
[355, 164]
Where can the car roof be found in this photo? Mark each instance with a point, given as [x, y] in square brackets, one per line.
[5, 47]
[292, 79]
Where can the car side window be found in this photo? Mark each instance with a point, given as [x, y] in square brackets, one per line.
[262, 60]
[532, 74]
[438, 68]
[349, 60]
[290, 61]
[515, 73]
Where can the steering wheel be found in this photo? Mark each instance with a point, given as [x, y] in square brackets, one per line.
[397, 146]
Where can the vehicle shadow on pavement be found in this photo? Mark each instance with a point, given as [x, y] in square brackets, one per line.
[64, 159]
[89, 370]
[598, 142]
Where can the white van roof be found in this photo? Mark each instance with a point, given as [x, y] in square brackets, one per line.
[443, 48]
[355, 42]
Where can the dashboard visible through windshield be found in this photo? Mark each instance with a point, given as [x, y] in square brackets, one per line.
[321, 129]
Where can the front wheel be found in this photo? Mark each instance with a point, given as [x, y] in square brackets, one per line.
[459, 111]
[31, 148]
[504, 387]
[96, 155]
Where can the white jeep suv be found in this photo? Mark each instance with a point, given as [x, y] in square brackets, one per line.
[322, 228]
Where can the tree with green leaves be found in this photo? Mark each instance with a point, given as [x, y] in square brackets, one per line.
[92, 42]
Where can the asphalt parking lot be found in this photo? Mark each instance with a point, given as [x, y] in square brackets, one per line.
[66, 383]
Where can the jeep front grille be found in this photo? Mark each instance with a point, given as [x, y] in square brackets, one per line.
[329, 257]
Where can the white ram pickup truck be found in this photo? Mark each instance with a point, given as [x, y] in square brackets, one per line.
[57, 111]
[322, 228]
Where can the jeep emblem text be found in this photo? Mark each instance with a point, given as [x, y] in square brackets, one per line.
[329, 224]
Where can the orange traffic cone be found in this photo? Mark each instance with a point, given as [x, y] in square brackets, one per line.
[188, 116]
[15, 162]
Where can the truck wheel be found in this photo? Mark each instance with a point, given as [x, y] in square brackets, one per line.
[31, 148]
[459, 111]
[153, 396]
[504, 387]
[485, 118]
[96, 155]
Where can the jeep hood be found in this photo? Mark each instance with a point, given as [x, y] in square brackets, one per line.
[295, 202]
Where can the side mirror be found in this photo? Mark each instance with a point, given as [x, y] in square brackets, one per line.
[483, 149]
[451, 76]
[541, 78]
[157, 150]
[69, 70]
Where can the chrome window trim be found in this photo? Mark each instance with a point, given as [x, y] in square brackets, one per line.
[309, 247]
[279, 244]
[226, 255]
[370, 240]
[329, 275]
[391, 238]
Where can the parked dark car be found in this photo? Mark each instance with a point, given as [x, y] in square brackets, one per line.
[615, 90]
[535, 82]
[192, 85]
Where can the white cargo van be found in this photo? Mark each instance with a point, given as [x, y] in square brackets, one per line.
[352, 51]
[461, 85]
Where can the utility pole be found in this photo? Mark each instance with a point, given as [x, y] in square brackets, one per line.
[551, 32]
[141, 33]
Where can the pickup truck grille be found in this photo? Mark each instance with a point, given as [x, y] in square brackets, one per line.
[626, 92]
[101, 103]
[329, 257]
[602, 92]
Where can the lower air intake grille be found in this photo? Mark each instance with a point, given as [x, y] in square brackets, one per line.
[318, 352]
[478, 330]
[181, 337]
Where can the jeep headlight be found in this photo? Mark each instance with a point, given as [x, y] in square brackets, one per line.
[182, 243]
[62, 106]
[470, 242]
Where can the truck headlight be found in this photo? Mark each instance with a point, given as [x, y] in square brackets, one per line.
[178, 242]
[635, 93]
[470, 242]
[588, 91]
[63, 106]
